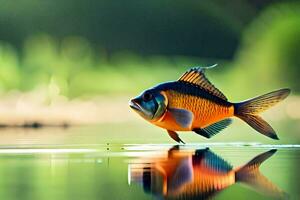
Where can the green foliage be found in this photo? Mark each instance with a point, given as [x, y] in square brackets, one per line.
[9, 71]
[78, 70]
[269, 53]
[151, 27]
[267, 59]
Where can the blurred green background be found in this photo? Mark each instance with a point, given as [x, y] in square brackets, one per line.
[98, 47]
[79, 62]
[57, 53]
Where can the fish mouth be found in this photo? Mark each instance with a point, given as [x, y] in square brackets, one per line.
[134, 105]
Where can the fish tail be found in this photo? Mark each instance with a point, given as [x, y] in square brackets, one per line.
[250, 175]
[248, 110]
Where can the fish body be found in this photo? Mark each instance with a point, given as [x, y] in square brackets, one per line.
[193, 103]
[200, 174]
[206, 108]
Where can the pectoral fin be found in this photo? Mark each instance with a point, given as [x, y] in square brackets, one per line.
[182, 175]
[182, 117]
[175, 136]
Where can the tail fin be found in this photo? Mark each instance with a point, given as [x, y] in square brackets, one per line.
[250, 175]
[248, 110]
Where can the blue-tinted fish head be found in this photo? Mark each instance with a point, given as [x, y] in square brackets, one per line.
[151, 104]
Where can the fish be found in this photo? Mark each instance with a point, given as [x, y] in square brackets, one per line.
[199, 174]
[193, 103]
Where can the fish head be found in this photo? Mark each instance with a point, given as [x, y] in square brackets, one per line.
[150, 105]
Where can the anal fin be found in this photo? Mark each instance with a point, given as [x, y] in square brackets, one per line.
[175, 136]
[213, 129]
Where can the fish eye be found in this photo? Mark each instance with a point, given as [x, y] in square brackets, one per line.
[147, 96]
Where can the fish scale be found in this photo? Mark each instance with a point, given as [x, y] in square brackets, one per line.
[205, 111]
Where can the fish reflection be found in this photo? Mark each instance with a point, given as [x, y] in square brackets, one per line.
[199, 174]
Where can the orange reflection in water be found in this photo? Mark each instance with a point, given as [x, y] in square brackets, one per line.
[198, 174]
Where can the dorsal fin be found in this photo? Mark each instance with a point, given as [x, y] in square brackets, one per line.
[197, 77]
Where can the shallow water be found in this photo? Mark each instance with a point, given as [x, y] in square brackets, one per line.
[138, 172]
[87, 164]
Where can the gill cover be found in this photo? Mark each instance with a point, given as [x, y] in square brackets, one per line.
[162, 103]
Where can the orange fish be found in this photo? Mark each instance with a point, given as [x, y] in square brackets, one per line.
[200, 174]
[193, 103]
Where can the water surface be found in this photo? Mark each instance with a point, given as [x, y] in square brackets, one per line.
[60, 164]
